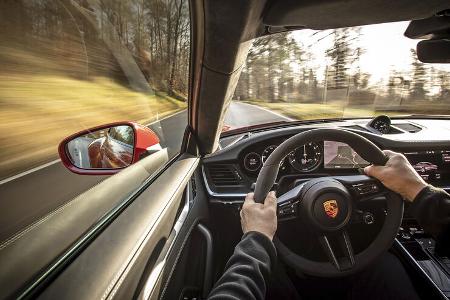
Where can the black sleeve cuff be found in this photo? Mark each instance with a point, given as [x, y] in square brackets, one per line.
[265, 242]
[423, 194]
[431, 208]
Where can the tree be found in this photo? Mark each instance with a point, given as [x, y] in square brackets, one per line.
[313, 91]
[418, 78]
[340, 54]
[444, 86]
[268, 72]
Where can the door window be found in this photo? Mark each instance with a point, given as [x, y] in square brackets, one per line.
[71, 65]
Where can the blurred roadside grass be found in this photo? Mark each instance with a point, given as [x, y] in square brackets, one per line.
[311, 111]
[38, 111]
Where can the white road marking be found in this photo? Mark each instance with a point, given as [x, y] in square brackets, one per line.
[268, 110]
[166, 117]
[29, 171]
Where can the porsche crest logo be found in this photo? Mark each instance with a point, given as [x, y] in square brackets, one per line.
[331, 208]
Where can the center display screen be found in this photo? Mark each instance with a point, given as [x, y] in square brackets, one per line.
[431, 165]
[341, 156]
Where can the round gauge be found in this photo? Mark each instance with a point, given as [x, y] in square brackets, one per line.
[252, 161]
[266, 153]
[306, 158]
[382, 124]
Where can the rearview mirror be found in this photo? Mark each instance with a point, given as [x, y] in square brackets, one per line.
[434, 51]
[435, 48]
[107, 149]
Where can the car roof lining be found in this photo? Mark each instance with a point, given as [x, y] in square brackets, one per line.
[329, 14]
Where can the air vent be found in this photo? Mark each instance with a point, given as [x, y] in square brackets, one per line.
[408, 127]
[222, 175]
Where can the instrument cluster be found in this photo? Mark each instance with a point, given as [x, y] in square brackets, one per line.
[328, 156]
[304, 159]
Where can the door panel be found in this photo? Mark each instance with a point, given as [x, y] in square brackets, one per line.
[113, 263]
[187, 263]
[25, 254]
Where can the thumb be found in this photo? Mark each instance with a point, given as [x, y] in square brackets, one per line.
[373, 171]
[368, 170]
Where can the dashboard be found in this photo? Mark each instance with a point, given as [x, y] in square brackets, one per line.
[232, 171]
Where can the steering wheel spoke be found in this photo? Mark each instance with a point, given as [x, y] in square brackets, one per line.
[363, 187]
[287, 204]
[347, 261]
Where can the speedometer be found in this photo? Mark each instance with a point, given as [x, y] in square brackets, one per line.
[306, 158]
[266, 153]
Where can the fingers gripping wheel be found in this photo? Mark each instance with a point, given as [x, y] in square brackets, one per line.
[327, 204]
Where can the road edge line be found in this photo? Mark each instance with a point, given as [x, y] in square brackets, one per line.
[268, 110]
[166, 117]
[6, 180]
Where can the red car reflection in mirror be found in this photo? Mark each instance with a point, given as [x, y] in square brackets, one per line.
[106, 149]
[114, 150]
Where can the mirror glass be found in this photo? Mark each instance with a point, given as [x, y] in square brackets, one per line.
[108, 148]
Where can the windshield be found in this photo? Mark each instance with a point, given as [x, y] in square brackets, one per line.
[348, 72]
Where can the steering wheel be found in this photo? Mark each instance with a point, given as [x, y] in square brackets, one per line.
[327, 205]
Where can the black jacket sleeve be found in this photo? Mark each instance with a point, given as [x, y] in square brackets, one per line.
[248, 270]
[431, 208]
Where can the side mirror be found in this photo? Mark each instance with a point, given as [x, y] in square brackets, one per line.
[107, 149]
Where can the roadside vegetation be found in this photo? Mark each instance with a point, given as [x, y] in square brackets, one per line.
[37, 112]
[312, 111]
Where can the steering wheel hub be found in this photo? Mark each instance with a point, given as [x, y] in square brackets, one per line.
[326, 203]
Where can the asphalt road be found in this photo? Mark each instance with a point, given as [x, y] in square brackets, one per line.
[28, 196]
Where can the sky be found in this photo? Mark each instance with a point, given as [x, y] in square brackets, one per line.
[386, 49]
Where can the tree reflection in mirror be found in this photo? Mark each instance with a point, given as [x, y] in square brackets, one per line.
[110, 148]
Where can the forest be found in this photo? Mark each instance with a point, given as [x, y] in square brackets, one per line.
[277, 70]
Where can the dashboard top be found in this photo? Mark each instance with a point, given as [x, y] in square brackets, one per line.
[231, 171]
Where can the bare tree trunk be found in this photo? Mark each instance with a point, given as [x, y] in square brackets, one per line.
[123, 56]
[175, 48]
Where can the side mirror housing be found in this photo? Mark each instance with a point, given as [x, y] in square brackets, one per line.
[107, 149]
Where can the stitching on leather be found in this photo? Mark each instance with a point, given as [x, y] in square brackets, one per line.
[121, 270]
[38, 222]
[178, 258]
[30, 227]
[115, 281]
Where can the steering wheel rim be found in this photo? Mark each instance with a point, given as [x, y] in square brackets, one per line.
[394, 204]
